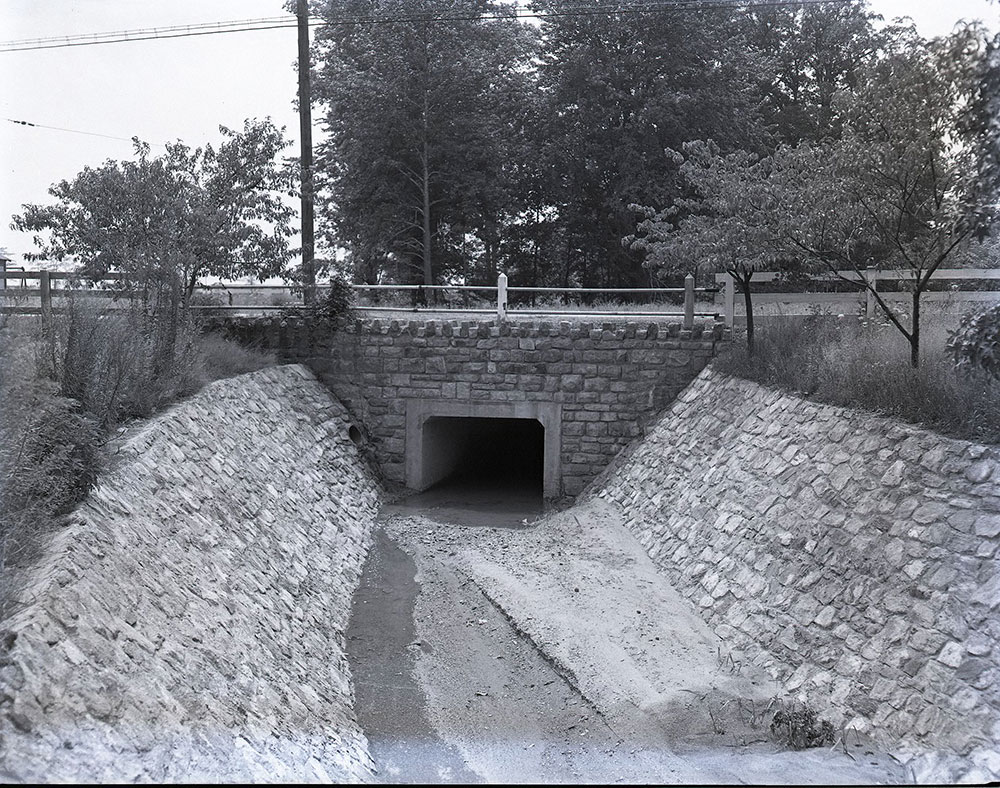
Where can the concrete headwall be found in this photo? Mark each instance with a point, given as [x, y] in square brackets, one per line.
[188, 624]
[854, 556]
[593, 385]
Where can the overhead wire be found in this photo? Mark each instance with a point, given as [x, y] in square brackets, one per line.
[272, 23]
[71, 131]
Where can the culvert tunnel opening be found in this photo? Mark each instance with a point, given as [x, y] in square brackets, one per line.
[484, 452]
[486, 464]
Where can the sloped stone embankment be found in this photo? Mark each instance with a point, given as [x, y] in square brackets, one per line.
[854, 556]
[188, 624]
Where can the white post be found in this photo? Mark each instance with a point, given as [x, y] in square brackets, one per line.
[502, 297]
[689, 301]
[871, 276]
[730, 300]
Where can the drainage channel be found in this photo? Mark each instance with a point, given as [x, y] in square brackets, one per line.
[390, 704]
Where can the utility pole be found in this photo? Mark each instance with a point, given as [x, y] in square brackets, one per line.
[305, 133]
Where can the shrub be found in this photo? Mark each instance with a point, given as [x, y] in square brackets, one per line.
[120, 363]
[219, 358]
[329, 312]
[975, 344]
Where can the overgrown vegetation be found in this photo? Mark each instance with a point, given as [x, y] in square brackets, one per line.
[66, 390]
[850, 362]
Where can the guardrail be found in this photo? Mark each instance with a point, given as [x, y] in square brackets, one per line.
[727, 286]
[496, 296]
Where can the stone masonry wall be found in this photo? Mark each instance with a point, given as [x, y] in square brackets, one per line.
[854, 556]
[187, 625]
[609, 378]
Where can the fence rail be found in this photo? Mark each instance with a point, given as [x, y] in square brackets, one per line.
[49, 290]
[727, 287]
[48, 287]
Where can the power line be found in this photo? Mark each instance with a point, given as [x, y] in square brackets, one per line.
[273, 23]
[71, 131]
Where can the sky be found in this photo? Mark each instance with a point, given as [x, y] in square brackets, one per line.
[181, 88]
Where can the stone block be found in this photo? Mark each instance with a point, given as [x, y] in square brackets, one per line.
[988, 525]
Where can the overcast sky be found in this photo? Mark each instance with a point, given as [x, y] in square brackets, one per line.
[181, 88]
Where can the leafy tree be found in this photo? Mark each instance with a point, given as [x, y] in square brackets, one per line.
[419, 113]
[161, 222]
[899, 188]
[617, 89]
[728, 225]
[807, 55]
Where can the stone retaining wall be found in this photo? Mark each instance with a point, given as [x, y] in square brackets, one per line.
[854, 556]
[188, 624]
[607, 379]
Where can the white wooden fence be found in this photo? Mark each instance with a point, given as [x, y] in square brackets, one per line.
[727, 289]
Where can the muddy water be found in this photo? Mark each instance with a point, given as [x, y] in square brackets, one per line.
[381, 648]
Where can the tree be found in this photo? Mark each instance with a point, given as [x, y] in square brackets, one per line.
[808, 54]
[617, 88]
[161, 222]
[419, 113]
[727, 224]
[899, 188]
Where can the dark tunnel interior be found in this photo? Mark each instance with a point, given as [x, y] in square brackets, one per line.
[484, 453]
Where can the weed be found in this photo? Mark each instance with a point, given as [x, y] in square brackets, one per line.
[798, 726]
[727, 662]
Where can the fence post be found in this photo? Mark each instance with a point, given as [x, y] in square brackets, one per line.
[871, 277]
[3, 273]
[730, 300]
[689, 301]
[502, 297]
[45, 288]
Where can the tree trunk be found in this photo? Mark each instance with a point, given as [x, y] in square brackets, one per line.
[426, 173]
[748, 301]
[428, 270]
[915, 331]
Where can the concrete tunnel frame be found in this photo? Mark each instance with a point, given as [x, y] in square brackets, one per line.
[419, 476]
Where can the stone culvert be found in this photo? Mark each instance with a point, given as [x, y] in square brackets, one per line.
[854, 556]
[187, 625]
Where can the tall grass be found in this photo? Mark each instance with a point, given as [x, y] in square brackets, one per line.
[66, 388]
[850, 362]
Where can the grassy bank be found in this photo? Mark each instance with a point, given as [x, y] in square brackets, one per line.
[66, 391]
[859, 364]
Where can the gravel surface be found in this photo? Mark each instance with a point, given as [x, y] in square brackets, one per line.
[554, 652]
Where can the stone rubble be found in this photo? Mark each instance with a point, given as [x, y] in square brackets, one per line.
[187, 625]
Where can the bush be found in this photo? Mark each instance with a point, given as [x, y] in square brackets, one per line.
[843, 361]
[219, 358]
[975, 344]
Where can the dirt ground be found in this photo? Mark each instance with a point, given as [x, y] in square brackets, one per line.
[493, 645]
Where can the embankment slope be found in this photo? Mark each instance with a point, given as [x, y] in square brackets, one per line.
[187, 625]
[853, 556]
